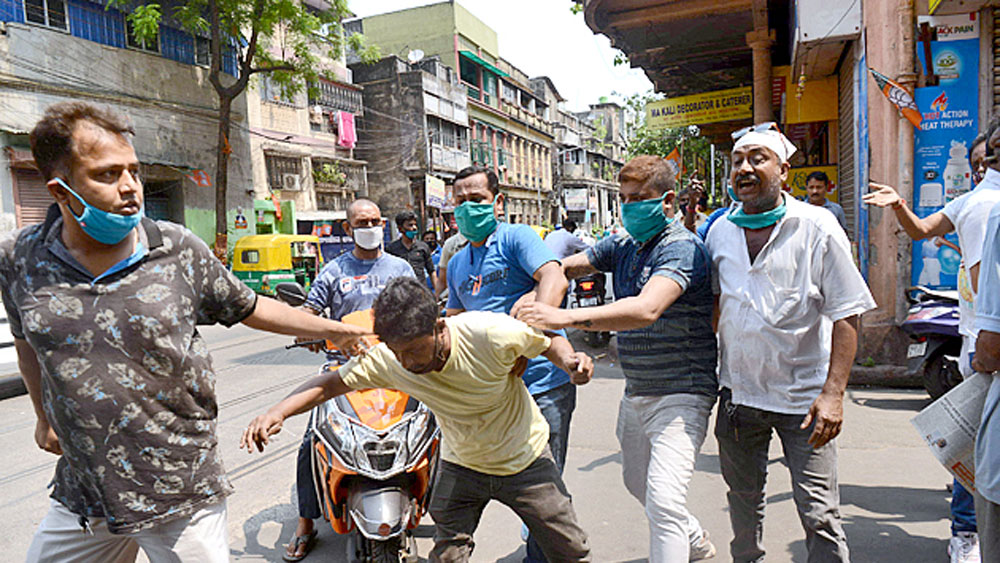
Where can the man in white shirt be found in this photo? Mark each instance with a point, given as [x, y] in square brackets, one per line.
[789, 296]
[967, 215]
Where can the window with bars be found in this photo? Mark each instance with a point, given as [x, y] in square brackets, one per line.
[462, 138]
[280, 167]
[202, 51]
[151, 45]
[508, 92]
[50, 13]
[336, 96]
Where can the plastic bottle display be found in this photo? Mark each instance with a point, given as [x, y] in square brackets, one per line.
[958, 173]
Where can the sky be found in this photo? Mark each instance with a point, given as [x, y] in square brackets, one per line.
[543, 38]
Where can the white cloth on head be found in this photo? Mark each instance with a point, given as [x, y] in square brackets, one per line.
[771, 139]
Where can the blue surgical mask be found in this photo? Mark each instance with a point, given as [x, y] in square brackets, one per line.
[102, 226]
[644, 219]
[411, 234]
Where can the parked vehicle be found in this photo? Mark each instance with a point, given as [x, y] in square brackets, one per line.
[264, 261]
[590, 291]
[932, 323]
[374, 453]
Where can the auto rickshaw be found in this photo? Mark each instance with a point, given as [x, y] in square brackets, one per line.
[264, 261]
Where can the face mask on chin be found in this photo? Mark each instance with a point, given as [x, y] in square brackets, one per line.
[103, 226]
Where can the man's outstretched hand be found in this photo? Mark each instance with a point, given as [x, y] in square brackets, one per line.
[260, 431]
[543, 316]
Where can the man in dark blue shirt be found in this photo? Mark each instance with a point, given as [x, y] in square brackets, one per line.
[499, 265]
[663, 314]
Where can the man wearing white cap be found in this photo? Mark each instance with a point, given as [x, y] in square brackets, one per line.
[788, 299]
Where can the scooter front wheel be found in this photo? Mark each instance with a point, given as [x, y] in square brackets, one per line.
[387, 551]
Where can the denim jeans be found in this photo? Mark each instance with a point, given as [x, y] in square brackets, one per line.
[536, 494]
[660, 437]
[744, 434]
[963, 509]
[304, 485]
[557, 406]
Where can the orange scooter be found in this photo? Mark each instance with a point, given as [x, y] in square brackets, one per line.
[374, 453]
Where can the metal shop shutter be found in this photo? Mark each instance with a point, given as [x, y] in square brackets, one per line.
[31, 197]
[845, 140]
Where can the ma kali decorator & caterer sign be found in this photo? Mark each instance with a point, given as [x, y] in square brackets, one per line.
[708, 107]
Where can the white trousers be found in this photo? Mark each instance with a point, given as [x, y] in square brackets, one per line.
[201, 537]
[660, 437]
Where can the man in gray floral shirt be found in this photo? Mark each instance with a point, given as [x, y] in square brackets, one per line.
[104, 306]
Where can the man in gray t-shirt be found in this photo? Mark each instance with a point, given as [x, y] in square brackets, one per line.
[564, 242]
[816, 187]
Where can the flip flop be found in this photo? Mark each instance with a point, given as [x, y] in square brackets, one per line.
[306, 540]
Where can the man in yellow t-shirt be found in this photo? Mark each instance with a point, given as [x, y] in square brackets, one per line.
[494, 437]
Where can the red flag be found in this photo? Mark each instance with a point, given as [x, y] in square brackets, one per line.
[899, 97]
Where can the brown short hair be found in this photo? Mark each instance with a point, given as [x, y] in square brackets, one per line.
[52, 138]
[648, 170]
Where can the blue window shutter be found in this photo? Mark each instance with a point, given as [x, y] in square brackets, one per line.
[11, 11]
[93, 22]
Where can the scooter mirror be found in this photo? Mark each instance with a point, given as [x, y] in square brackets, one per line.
[291, 293]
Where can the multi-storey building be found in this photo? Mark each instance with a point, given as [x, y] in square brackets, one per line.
[52, 51]
[303, 154]
[510, 129]
[416, 130]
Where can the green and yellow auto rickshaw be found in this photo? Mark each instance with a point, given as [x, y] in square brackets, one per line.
[264, 261]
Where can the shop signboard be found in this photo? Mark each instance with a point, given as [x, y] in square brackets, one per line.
[575, 199]
[942, 144]
[796, 182]
[707, 107]
[435, 191]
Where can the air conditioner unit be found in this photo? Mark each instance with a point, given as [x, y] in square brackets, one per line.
[290, 182]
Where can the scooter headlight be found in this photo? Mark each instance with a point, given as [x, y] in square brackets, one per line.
[336, 429]
[420, 431]
[381, 456]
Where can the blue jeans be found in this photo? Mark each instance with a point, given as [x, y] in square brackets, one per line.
[306, 489]
[963, 510]
[557, 407]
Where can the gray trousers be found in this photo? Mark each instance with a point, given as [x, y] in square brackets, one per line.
[537, 494]
[744, 435]
[988, 522]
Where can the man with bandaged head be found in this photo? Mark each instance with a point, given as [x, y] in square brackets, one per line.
[788, 297]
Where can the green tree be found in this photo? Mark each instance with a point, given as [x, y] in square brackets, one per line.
[643, 139]
[282, 39]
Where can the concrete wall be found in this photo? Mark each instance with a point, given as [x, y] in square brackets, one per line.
[477, 31]
[396, 147]
[172, 105]
[889, 265]
[428, 28]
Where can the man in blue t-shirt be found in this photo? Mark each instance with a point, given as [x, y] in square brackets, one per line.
[499, 265]
[349, 283]
[663, 314]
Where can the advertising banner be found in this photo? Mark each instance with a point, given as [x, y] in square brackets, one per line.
[435, 191]
[941, 146]
[708, 107]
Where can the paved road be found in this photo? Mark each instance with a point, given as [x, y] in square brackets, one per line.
[894, 500]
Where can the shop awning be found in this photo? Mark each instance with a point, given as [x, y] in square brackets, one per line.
[478, 60]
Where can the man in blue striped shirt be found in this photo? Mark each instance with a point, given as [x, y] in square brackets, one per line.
[663, 315]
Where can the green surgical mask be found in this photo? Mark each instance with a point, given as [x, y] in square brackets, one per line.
[476, 220]
[644, 219]
[757, 220]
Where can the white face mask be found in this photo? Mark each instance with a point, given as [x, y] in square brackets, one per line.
[368, 238]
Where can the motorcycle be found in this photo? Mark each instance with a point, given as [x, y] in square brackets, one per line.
[590, 291]
[374, 453]
[932, 323]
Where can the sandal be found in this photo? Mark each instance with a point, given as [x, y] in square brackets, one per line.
[306, 541]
